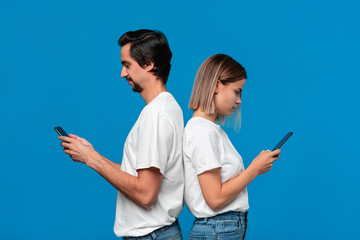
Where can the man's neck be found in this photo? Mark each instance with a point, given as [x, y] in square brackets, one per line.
[152, 90]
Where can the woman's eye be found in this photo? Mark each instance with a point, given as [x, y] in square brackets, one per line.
[238, 93]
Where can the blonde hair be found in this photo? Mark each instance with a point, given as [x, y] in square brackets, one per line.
[219, 67]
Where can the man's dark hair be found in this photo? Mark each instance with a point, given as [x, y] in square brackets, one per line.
[149, 46]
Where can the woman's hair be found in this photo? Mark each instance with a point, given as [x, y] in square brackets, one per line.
[217, 67]
[149, 46]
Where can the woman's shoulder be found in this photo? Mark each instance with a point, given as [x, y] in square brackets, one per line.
[198, 126]
[202, 137]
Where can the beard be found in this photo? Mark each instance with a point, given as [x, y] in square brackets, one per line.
[136, 87]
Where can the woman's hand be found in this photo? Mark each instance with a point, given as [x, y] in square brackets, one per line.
[264, 161]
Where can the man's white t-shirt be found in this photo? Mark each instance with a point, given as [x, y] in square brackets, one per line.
[206, 146]
[154, 141]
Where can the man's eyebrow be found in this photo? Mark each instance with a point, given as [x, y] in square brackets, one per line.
[124, 62]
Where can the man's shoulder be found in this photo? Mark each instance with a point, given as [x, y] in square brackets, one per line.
[164, 104]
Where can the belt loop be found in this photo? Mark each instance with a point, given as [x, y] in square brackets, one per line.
[153, 235]
[205, 220]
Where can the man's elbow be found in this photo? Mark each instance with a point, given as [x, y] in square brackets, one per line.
[147, 201]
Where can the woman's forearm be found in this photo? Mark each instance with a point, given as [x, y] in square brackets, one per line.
[217, 194]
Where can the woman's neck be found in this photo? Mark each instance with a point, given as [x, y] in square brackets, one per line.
[201, 113]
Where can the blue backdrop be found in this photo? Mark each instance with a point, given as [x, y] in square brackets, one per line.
[60, 65]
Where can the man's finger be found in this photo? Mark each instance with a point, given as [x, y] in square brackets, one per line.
[67, 151]
[65, 145]
[73, 136]
[66, 139]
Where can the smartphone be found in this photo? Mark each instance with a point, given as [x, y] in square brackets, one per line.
[60, 131]
[285, 138]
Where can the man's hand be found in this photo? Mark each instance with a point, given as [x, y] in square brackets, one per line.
[143, 189]
[79, 149]
[82, 140]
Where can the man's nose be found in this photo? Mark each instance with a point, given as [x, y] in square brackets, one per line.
[123, 73]
[238, 100]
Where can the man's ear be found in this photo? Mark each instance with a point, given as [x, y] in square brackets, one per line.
[149, 66]
[218, 86]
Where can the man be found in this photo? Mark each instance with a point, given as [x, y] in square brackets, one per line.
[150, 178]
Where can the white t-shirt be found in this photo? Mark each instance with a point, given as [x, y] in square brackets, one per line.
[154, 141]
[206, 146]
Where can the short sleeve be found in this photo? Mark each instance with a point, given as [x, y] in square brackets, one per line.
[204, 149]
[155, 140]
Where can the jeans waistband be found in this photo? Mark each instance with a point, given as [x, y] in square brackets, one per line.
[155, 232]
[231, 215]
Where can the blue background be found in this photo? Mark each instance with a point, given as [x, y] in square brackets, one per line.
[60, 65]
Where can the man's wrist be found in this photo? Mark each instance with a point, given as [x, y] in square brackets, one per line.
[94, 161]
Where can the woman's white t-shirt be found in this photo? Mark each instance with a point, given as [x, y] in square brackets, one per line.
[206, 146]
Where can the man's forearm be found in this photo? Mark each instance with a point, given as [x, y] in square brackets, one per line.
[142, 190]
[114, 164]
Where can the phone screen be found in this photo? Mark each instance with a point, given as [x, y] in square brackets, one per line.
[285, 138]
[60, 131]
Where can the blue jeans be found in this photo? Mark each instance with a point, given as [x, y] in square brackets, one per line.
[229, 225]
[170, 232]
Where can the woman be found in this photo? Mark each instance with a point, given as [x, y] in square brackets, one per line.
[215, 178]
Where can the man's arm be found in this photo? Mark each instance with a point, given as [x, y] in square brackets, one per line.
[114, 164]
[85, 142]
[142, 190]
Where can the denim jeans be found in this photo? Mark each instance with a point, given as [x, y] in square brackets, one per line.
[171, 232]
[229, 225]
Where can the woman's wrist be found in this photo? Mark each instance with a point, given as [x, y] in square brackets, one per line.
[253, 171]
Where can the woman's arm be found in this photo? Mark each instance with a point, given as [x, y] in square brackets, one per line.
[218, 195]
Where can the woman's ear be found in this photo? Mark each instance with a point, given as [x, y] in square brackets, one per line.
[218, 86]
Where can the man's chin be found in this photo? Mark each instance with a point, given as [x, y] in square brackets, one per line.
[137, 89]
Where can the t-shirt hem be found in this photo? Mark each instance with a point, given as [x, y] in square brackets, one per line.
[202, 170]
[149, 165]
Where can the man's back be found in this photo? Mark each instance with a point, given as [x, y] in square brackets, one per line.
[154, 141]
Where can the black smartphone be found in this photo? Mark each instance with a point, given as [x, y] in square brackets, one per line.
[285, 138]
[60, 131]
